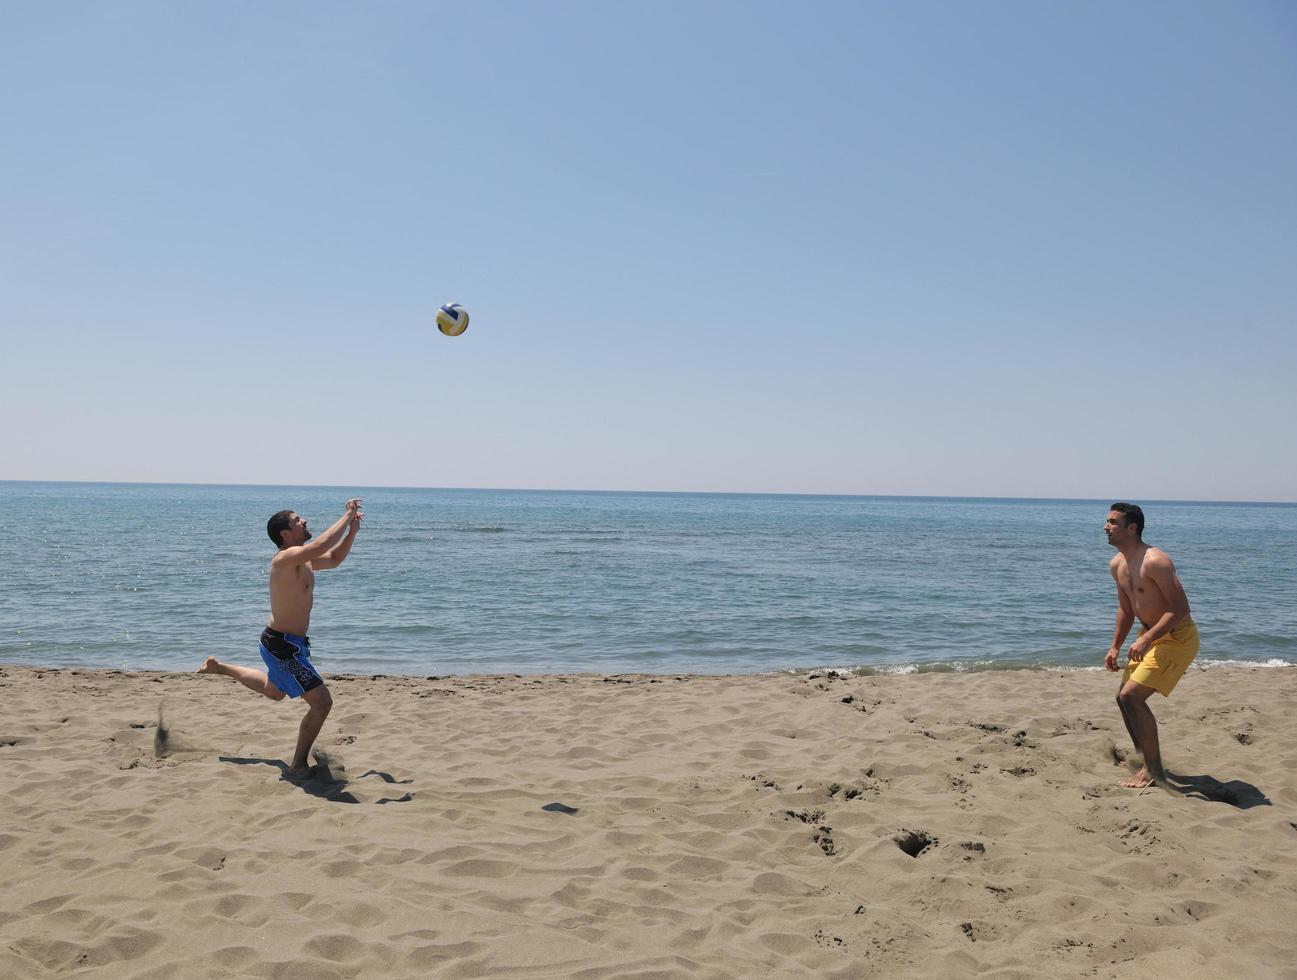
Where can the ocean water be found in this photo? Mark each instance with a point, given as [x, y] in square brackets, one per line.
[481, 581]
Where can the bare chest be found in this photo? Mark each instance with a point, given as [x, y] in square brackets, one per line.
[1143, 591]
[1134, 583]
[298, 581]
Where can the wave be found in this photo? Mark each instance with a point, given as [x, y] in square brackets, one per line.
[585, 531]
[984, 666]
[1272, 662]
[1265, 640]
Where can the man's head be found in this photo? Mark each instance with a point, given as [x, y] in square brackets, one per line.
[1125, 523]
[287, 529]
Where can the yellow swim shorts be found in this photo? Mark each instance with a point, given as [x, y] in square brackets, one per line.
[1166, 660]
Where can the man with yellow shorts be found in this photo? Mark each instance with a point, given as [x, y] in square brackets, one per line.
[1148, 588]
[1166, 660]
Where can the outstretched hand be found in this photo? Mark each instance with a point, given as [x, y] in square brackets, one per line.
[354, 514]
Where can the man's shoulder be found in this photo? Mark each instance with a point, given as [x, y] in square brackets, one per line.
[1116, 563]
[1156, 556]
[286, 559]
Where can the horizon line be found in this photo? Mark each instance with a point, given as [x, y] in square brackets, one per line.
[700, 493]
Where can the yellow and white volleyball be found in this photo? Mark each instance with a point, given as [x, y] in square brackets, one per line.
[452, 319]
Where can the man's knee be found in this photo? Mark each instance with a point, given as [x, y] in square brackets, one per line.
[1133, 694]
[319, 700]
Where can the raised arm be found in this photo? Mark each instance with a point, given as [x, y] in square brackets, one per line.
[315, 549]
[335, 555]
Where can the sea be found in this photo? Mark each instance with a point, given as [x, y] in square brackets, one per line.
[446, 581]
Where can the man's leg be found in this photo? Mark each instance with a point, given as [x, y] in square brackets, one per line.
[1142, 726]
[255, 680]
[318, 701]
[1125, 717]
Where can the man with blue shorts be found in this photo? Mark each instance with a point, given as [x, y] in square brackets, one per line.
[285, 647]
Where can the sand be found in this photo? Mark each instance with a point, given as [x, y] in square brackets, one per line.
[587, 826]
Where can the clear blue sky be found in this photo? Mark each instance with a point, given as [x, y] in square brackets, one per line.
[1018, 249]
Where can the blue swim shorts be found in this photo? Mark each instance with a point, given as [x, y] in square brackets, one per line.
[288, 662]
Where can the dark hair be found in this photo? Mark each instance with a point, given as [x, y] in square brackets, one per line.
[277, 524]
[1132, 514]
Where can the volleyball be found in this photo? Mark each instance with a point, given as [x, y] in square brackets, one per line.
[452, 319]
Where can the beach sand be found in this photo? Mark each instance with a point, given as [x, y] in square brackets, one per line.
[933, 825]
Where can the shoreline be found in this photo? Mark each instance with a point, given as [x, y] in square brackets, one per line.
[598, 824]
[959, 668]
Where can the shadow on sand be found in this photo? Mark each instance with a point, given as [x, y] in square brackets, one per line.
[1235, 792]
[325, 780]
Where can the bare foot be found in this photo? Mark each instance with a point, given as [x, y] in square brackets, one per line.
[328, 767]
[210, 666]
[1140, 780]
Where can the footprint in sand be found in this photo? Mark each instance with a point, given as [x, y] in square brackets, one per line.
[914, 842]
